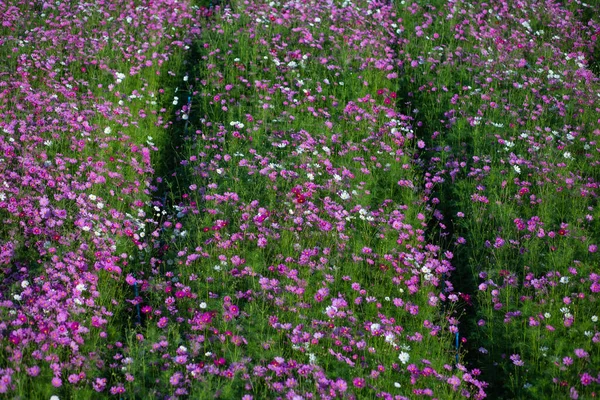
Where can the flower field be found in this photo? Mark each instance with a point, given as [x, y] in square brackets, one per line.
[299, 199]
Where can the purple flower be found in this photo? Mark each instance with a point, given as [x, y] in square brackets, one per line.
[341, 385]
[573, 394]
[162, 322]
[100, 384]
[175, 378]
[359, 382]
[581, 353]
[586, 379]
[516, 359]
[119, 389]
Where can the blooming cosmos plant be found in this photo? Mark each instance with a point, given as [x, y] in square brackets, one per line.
[299, 199]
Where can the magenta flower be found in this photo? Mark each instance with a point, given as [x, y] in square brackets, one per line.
[358, 382]
[119, 389]
[162, 322]
[587, 379]
[99, 384]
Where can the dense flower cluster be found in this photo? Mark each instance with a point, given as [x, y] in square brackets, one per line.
[301, 248]
[510, 103]
[78, 87]
[299, 199]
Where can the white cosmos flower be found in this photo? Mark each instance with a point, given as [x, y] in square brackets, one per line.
[404, 357]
